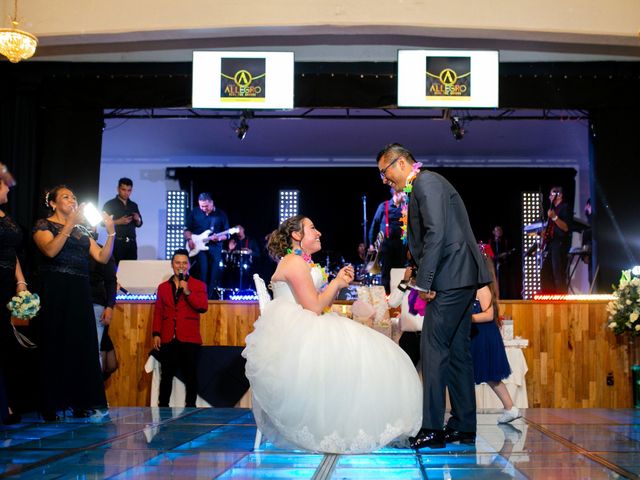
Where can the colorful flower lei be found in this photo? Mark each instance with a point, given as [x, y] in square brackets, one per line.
[408, 188]
[307, 258]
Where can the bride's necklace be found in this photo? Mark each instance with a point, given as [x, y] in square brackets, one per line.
[307, 258]
[408, 188]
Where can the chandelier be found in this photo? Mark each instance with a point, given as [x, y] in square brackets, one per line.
[17, 44]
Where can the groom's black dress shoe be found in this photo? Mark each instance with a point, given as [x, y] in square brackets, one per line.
[427, 438]
[451, 435]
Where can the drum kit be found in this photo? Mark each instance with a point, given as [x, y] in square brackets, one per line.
[237, 268]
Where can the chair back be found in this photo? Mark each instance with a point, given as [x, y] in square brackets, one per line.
[263, 293]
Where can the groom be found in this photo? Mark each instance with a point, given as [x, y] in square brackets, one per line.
[450, 270]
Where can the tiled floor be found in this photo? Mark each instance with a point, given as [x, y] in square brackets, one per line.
[218, 443]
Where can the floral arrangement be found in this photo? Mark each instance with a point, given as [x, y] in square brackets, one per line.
[624, 309]
[24, 305]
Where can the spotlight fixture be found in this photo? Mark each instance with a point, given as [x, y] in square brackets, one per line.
[456, 128]
[242, 129]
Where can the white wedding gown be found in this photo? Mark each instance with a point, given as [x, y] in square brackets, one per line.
[326, 383]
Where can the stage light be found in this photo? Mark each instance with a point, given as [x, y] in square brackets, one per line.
[289, 203]
[176, 208]
[456, 128]
[531, 264]
[242, 129]
[636, 271]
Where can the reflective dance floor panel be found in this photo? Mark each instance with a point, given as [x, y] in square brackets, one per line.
[168, 443]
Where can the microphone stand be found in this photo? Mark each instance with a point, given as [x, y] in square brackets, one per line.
[364, 221]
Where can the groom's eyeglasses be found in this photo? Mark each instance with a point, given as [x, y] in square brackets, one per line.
[384, 170]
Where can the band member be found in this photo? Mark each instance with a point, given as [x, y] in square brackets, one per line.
[502, 259]
[207, 262]
[556, 241]
[386, 223]
[176, 328]
[126, 218]
[242, 251]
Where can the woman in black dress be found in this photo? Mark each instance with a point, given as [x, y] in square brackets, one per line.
[11, 282]
[70, 369]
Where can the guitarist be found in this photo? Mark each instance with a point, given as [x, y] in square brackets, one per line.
[387, 222]
[207, 262]
[556, 241]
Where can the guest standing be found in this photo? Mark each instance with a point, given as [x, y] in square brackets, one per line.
[11, 282]
[490, 363]
[412, 309]
[126, 218]
[104, 284]
[70, 370]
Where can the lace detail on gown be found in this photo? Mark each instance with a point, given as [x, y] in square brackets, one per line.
[326, 383]
[10, 238]
[73, 258]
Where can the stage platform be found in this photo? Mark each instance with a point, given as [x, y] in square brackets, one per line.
[143, 442]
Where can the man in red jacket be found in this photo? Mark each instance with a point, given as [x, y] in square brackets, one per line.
[176, 327]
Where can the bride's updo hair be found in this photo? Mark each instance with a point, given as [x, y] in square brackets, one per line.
[280, 239]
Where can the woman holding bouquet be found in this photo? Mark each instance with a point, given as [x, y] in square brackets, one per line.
[11, 282]
[71, 374]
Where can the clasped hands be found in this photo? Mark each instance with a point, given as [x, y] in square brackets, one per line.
[127, 219]
[78, 216]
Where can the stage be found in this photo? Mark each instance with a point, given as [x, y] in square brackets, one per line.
[573, 360]
[143, 442]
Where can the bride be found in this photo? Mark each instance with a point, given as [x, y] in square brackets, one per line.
[320, 381]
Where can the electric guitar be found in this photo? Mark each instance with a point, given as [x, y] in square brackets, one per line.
[200, 241]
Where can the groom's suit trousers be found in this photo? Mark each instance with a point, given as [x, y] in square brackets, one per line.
[446, 360]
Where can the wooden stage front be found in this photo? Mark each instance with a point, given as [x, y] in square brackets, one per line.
[574, 360]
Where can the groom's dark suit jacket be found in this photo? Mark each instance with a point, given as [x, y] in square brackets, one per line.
[440, 237]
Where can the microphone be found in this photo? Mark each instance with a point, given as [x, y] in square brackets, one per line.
[180, 278]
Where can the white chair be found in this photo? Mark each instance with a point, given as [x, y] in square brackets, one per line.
[263, 299]
[263, 293]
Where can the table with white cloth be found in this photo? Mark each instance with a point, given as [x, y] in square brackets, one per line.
[516, 383]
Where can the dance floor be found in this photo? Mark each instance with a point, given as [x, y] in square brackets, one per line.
[218, 443]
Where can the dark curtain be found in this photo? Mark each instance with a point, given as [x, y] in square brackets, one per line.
[615, 157]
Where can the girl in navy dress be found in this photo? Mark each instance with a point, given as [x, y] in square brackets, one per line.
[490, 364]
